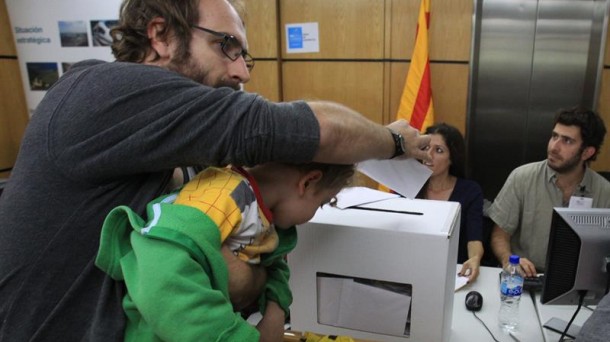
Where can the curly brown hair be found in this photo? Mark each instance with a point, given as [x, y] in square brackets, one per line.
[130, 42]
[130, 37]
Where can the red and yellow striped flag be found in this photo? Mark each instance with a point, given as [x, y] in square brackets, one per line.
[416, 100]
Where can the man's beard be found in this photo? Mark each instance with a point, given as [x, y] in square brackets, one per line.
[568, 165]
[189, 67]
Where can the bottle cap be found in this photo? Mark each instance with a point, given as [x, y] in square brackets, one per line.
[513, 259]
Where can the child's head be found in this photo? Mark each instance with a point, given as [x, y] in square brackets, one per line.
[304, 188]
[332, 177]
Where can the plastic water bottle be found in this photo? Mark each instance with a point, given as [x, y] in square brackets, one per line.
[511, 286]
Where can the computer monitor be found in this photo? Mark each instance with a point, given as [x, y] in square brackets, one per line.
[577, 256]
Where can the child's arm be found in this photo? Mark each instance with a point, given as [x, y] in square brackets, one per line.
[278, 273]
[246, 281]
[175, 297]
[271, 327]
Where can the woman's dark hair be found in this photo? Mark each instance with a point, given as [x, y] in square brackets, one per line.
[457, 147]
[130, 37]
[592, 127]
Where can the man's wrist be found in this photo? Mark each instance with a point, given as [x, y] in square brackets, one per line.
[399, 143]
[505, 258]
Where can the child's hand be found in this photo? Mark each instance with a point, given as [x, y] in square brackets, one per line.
[271, 327]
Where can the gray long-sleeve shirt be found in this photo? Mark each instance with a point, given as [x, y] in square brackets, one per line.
[109, 134]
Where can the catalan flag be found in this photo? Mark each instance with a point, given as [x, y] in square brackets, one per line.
[416, 100]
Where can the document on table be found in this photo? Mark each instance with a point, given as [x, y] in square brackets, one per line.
[460, 281]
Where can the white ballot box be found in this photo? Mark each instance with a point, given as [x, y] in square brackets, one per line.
[383, 271]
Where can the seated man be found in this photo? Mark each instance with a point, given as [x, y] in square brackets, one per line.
[523, 209]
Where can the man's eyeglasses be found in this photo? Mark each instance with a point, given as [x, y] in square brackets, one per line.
[231, 47]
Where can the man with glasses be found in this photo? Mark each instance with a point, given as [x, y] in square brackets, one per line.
[110, 134]
[231, 47]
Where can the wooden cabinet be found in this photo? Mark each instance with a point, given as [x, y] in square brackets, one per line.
[13, 110]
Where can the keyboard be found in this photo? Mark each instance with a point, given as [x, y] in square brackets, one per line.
[533, 284]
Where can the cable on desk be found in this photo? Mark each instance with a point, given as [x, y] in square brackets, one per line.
[485, 325]
[581, 299]
[607, 274]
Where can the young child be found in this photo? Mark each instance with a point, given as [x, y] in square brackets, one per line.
[176, 277]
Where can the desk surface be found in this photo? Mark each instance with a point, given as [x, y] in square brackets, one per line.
[465, 326]
[563, 312]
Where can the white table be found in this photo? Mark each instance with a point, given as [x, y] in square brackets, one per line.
[466, 328]
[563, 312]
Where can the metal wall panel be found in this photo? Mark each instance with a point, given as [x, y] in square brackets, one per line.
[561, 50]
[529, 59]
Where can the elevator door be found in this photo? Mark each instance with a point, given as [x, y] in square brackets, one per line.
[530, 58]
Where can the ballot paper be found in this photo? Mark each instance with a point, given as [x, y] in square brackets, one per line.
[358, 195]
[404, 176]
[343, 302]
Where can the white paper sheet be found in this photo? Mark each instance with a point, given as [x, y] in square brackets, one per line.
[372, 309]
[358, 195]
[405, 176]
[329, 299]
[345, 303]
[460, 281]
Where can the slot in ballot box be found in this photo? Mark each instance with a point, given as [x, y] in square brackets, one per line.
[383, 271]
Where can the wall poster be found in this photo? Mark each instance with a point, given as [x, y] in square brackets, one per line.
[51, 35]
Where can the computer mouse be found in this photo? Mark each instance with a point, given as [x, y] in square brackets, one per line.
[474, 301]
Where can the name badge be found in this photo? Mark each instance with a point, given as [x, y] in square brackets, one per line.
[578, 202]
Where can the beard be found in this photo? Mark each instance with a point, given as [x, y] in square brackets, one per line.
[189, 67]
[565, 166]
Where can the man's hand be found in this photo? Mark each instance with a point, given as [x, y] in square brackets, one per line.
[414, 142]
[528, 267]
[246, 282]
[500, 244]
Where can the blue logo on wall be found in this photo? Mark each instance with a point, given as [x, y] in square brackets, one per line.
[295, 37]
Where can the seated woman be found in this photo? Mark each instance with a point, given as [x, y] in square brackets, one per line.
[447, 183]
